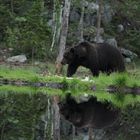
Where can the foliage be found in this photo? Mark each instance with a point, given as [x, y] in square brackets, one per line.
[127, 15]
[26, 29]
[26, 25]
[5, 20]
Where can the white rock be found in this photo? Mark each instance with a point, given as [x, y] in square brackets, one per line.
[128, 53]
[112, 42]
[17, 58]
[120, 28]
[100, 40]
[127, 60]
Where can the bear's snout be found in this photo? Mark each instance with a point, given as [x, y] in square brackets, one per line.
[63, 62]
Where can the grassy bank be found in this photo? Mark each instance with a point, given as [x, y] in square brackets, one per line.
[76, 86]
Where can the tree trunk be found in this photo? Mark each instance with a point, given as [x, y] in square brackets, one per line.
[56, 119]
[99, 15]
[81, 21]
[73, 132]
[63, 36]
[59, 26]
[90, 134]
[57, 19]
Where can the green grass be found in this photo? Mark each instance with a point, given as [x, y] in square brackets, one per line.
[118, 79]
[76, 85]
[17, 74]
[7, 89]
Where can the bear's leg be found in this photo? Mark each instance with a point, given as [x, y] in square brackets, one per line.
[71, 70]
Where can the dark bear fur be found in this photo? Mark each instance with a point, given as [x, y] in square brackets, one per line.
[88, 114]
[96, 57]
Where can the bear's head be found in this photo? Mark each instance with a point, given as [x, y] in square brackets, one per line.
[68, 56]
[74, 53]
[69, 110]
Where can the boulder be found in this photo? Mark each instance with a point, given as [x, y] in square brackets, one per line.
[128, 54]
[120, 28]
[127, 60]
[107, 14]
[74, 15]
[17, 58]
[100, 40]
[112, 42]
[92, 6]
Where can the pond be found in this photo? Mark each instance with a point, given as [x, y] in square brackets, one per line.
[37, 107]
[30, 112]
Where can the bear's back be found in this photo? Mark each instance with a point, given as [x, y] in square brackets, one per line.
[110, 57]
[107, 49]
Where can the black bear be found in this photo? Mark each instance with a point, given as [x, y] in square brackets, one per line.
[96, 57]
[91, 113]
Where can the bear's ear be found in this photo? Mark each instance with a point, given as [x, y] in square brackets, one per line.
[72, 50]
[70, 100]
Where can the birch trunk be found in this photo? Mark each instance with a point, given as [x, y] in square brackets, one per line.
[81, 22]
[56, 119]
[90, 134]
[73, 132]
[57, 19]
[99, 15]
[63, 36]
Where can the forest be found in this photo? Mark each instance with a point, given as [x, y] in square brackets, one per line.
[69, 69]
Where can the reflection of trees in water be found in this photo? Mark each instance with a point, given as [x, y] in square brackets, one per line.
[30, 117]
[19, 115]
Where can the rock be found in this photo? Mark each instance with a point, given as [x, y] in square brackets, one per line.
[90, 17]
[86, 137]
[89, 20]
[128, 54]
[36, 63]
[90, 33]
[127, 60]
[107, 13]
[74, 15]
[120, 28]
[17, 58]
[92, 6]
[112, 42]
[50, 23]
[101, 40]
[101, 31]
[10, 49]
[84, 3]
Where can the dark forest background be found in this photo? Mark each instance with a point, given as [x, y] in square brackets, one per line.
[27, 27]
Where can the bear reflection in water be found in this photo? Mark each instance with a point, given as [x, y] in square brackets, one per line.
[91, 113]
